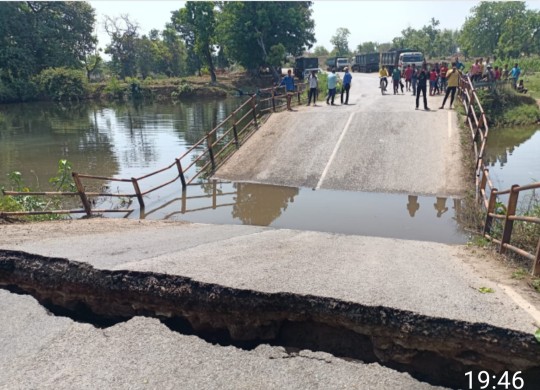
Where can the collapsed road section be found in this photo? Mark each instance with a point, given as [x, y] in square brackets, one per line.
[436, 350]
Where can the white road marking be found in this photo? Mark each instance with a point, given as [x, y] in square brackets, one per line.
[334, 152]
[522, 302]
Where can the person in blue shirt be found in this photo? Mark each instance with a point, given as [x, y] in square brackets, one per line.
[332, 84]
[288, 82]
[346, 86]
[514, 73]
[459, 65]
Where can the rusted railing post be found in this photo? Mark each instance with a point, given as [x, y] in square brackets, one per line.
[82, 194]
[214, 194]
[210, 151]
[138, 192]
[536, 263]
[490, 209]
[235, 130]
[254, 110]
[482, 188]
[273, 99]
[181, 173]
[184, 202]
[510, 212]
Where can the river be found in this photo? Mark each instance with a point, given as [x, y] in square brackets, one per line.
[130, 140]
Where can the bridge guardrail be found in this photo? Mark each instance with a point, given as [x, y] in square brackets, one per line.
[217, 146]
[487, 194]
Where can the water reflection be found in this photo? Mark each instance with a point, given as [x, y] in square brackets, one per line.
[512, 156]
[370, 214]
[113, 140]
[261, 205]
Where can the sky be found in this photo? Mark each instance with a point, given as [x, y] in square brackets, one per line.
[377, 21]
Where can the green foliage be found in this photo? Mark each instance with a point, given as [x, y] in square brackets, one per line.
[320, 51]
[504, 28]
[537, 335]
[17, 90]
[249, 29]
[520, 274]
[367, 47]
[184, 89]
[196, 23]
[63, 181]
[430, 40]
[38, 35]
[341, 42]
[62, 84]
[115, 88]
[505, 107]
[486, 290]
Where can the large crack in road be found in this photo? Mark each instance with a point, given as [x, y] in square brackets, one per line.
[436, 350]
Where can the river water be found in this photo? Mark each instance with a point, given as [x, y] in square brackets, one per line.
[131, 140]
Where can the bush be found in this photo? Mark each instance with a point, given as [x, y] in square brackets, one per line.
[115, 89]
[62, 84]
[17, 91]
[505, 107]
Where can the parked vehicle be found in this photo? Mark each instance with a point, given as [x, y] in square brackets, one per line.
[339, 63]
[390, 58]
[410, 58]
[303, 63]
[368, 62]
[308, 71]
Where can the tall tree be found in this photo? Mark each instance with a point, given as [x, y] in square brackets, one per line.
[320, 51]
[251, 32]
[124, 35]
[38, 35]
[482, 32]
[341, 41]
[367, 47]
[196, 23]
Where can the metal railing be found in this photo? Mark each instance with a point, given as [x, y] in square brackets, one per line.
[487, 194]
[217, 146]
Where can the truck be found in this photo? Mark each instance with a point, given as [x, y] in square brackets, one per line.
[337, 63]
[301, 64]
[391, 58]
[367, 62]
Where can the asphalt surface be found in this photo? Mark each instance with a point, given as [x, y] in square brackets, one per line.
[376, 143]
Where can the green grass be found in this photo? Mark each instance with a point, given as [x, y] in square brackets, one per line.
[532, 83]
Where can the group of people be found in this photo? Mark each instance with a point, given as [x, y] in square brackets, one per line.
[313, 81]
[439, 78]
[484, 71]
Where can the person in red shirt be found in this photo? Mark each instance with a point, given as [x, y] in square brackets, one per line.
[408, 74]
[432, 81]
[442, 76]
[497, 73]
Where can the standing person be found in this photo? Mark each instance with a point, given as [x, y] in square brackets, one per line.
[288, 82]
[442, 76]
[414, 79]
[459, 65]
[432, 81]
[497, 74]
[346, 85]
[505, 72]
[313, 85]
[396, 78]
[332, 84]
[408, 73]
[423, 77]
[452, 77]
[514, 73]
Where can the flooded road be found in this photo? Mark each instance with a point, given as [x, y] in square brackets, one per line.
[402, 216]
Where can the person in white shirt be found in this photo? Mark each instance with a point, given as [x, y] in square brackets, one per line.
[313, 86]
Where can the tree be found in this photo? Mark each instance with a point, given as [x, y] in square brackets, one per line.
[367, 47]
[482, 32]
[196, 23]
[341, 41]
[38, 35]
[251, 32]
[320, 51]
[123, 47]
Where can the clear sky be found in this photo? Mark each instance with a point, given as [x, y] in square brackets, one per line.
[378, 21]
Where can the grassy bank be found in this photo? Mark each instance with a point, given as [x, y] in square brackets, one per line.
[504, 107]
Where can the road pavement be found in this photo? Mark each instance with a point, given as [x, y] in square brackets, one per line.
[375, 143]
